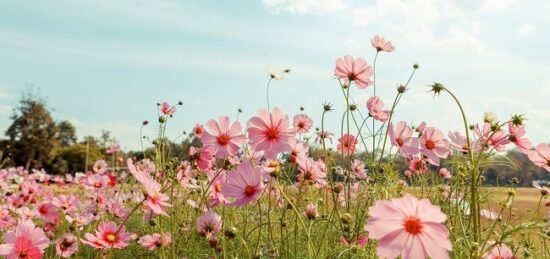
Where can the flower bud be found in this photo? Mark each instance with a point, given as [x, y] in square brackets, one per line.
[346, 218]
[230, 232]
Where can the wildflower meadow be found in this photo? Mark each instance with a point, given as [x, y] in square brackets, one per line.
[280, 185]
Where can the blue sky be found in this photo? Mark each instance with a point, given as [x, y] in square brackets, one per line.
[105, 64]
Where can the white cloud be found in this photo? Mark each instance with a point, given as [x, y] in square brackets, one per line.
[525, 29]
[545, 88]
[317, 7]
[497, 5]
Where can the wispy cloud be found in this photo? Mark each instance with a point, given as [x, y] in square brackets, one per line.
[316, 7]
[525, 29]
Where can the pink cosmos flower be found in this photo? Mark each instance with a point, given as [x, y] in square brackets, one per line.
[311, 172]
[401, 136]
[244, 184]
[113, 149]
[501, 251]
[516, 136]
[270, 132]
[322, 135]
[156, 200]
[27, 241]
[433, 145]
[67, 245]
[100, 166]
[361, 241]
[68, 203]
[458, 141]
[541, 156]
[155, 241]
[489, 138]
[311, 212]
[96, 182]
[418, 166]
[167, 109]
[408, 227]
[302, 123]
[298, 150]
[48, 212]
[346, 144]
[380, 44]
[375, 106]
[209, 224]
[354, 69]
[358, 169]
[444, 173]
[198, 130]
[205, 159]
[108, 235]
[226, 138]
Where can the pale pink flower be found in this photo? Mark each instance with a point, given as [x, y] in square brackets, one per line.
[209, 224]
[489, 138]
[517, 133]
[380, 44]
[358, 169]
[541, 156]
[216, 185]
[311, 172]
[155, 241]
[108, 235]
[156, 200]
[244, 184]
[113, 149]
[27, 241]
[67, 245]
[501, 251]
[302, 123]
[408, 227]
[205, 159]
[433, 145]
[100, 166]
[354, 69]
[226, 138]
[346, 144]
[322, 135]
[402, 136]
[420, 128]
[68, 203]
[311, 212]
[198, 130]
[96, 182]
[458, 141]
[445, 174]
[375, 106]
[270, 132]
[408, 173]
[298, 150]
[489, 214]
[167, 109]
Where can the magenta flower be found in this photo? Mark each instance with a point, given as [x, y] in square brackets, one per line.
[270, 132]
[311, 172]
[433, 145]
[402, 136]
[27, 242]
[48, 212]
[541, 156]
[66, 246]
[354, 69]
[302, 123]
[516, 136]
[346, 144]
[244, 184]
[108, 235]
[198, 130]
[409, 228]
[380, 44]
[209, 224]
[167, 109]
[375, 106]
[226, 138]
[501, 251]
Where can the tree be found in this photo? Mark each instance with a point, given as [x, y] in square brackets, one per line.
[66, 133]
[33, 133]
